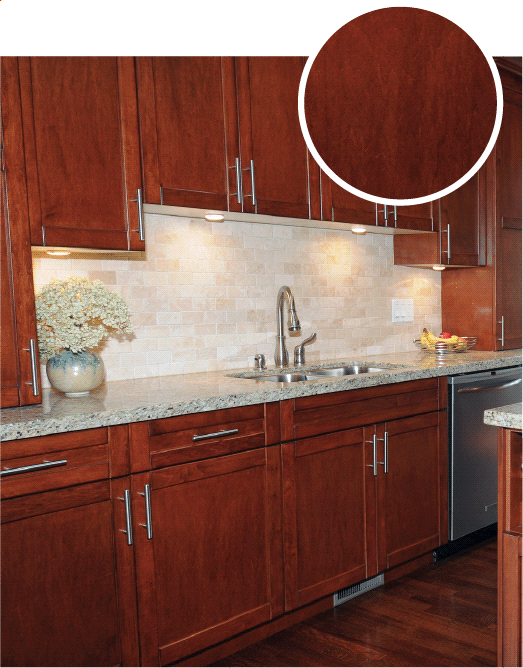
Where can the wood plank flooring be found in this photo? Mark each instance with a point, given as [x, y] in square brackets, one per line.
[444, 614]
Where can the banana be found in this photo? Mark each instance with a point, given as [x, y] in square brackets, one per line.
[429, 339]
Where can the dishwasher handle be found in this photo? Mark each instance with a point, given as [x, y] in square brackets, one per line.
[490, 387]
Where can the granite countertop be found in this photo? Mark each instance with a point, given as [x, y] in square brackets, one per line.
[509, 417]
[121, 402]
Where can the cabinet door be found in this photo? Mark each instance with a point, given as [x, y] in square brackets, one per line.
[80, 134]
[324, 515]
[508, 219]
[62, 601]
[342, 206]
[271, 139]
[210, 565]
[20, 380]
[411, 487]
[463, 223]
[189, 133]
[415, 217]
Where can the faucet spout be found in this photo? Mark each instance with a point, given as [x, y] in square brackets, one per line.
[281, 356]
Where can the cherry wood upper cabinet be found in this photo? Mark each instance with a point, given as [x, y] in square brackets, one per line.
[494, 312]
[20, 370]
[460, 222]
[81, 148]
[224, 133]
[189, 131]
[342, 206]
[508, 222]
[274, 156]
[339, 204]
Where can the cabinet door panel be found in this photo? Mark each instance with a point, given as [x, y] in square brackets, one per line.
[18, 311]
[463, 223]
[508, 189]
[410, 493]
[324, 515]
[342, 206]
[59, 588]
[271, 135]
[415, 217]
[81, 147]
[185, 128]
[211, 567]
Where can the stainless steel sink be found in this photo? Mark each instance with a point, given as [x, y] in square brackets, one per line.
[346, 370]
[284, 377]
[315, 374]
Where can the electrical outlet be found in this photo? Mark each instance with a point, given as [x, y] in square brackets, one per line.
[402, 310]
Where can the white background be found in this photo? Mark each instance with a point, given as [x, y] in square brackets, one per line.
[249, 27]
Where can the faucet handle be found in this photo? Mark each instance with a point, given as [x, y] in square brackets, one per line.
[260, 362]
[299, 351]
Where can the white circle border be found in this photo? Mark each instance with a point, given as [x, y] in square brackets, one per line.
[400, 202]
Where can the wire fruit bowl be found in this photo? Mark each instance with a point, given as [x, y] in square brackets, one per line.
[441, 348]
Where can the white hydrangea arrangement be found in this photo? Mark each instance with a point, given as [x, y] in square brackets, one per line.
[77, 314]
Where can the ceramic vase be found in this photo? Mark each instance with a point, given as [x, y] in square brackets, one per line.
[75, 374]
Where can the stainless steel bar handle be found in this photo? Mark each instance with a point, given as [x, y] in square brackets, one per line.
[139, 202]
[33, 467]
[148, 514]
[502, 323]
[225, 432]
[491, 387]
[239, 185]
[448, 242]
[128, 523]
[374, 455]
[253, 184]
[385, 462]
[34, 367]
[385, 216]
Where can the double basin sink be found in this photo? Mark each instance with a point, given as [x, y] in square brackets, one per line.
[317, 374]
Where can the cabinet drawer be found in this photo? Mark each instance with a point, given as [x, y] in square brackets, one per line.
[320, 414]
[43, 472]
[187, 438]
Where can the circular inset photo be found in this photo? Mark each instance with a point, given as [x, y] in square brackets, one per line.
[400, 105]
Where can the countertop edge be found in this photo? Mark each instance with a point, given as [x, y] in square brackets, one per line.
[20, 428]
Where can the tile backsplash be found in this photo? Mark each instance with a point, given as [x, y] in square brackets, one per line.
[204, 297]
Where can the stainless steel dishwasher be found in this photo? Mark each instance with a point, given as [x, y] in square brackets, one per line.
[473, 446]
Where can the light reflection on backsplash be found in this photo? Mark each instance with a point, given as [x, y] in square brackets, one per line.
[205, 296]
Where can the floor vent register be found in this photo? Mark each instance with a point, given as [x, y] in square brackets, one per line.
[347, 593]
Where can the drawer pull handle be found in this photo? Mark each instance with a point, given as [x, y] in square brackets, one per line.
[225, 432]
[129, 530]
[33, 467]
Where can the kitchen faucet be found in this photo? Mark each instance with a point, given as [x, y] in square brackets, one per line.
[281, 356]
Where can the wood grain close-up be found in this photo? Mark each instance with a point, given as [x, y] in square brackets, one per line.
[400, 103]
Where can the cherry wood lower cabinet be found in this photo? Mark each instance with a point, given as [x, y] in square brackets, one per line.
[360, 501]
[410, 486]
[62, 602]
[510, 548]
[207, 541]
[325, 515]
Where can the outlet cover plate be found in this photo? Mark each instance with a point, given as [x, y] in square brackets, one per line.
[402, 310]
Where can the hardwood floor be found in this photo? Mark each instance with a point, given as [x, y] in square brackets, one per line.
[444, 614]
